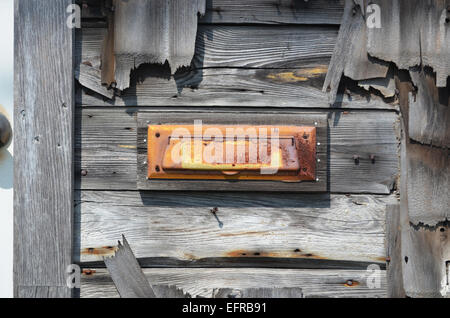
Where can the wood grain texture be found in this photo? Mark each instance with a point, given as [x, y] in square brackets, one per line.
[426, 42]
[273, 12]
[425, 250]
[90, 77]
[429, 110]
[154, 32]
[394, 252]
[284, 67]
[202, 282]
[250, 227]
[428, 174]
[126, 273]
[252, 12]
[43, 139]
[350, 56]
[317, 120]
[41, 292]
[106, 149]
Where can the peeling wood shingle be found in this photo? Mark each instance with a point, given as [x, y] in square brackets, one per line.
[153, 32]
[350, 56]
[412, 33]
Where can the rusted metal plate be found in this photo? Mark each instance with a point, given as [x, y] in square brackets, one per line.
[226, 152]
[262, 151]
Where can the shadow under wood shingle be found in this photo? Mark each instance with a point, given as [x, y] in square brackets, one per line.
[156, 31]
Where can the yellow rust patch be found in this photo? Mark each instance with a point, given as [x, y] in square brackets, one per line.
[127, 147]
[100, 251]
[301, 75]
[283, 254]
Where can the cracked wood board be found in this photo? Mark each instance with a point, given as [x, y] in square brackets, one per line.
[284, 230]
[154, 32]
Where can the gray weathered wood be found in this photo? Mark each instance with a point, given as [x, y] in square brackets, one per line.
[249, 227]
[425, 250]
[253, 11]
[428, 175]
[268, 292]
[43, 179]
[41, 292]
[127, 275]
[90, 77]
[106, 149]
[202, 282]
[429, 111]
[394, 252]
[350, 56]
[154, 32]
[226, 118]
[273, 12]
[426, 41]
[288, 80]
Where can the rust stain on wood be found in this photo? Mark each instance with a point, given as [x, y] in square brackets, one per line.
[284, 254]
[100, 251]
[301, 75]
[88, 272]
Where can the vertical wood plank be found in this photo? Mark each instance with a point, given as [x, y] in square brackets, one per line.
[44, 92]
[394, 252]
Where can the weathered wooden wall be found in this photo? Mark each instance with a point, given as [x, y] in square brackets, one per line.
[43, 139]
[251, 57]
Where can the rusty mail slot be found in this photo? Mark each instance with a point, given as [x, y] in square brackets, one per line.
[277, 153]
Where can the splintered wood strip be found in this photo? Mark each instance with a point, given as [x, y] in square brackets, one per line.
[43, 202]
[202, 282]
[127, 274]
[90, 77]
[154, 32]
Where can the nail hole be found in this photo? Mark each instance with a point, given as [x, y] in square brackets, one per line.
[158, 135]
[406, 259]
[158, 169]
[442, 229]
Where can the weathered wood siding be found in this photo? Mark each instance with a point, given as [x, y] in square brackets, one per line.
[43, 139]
[253, 57]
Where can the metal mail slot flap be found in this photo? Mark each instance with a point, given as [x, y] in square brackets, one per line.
[238, 152]
[193, 150]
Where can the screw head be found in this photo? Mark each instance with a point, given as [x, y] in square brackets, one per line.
[84, 173]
